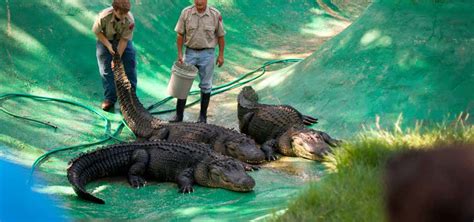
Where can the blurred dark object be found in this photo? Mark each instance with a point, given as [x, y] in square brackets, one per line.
[431, 185]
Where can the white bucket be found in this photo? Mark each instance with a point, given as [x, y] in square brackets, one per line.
[182, 77]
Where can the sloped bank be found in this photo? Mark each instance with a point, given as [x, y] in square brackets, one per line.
[407, 58]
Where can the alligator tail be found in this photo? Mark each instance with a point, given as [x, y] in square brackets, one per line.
[87, 167]
[137, 117]
[247, 102]
[248, 95]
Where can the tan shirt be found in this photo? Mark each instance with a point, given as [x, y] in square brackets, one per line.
[110, 26]
[200, 30]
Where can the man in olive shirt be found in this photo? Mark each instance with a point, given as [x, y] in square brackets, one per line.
[200, 29]
[114, 30]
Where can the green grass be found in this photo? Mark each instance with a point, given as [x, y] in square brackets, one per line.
[352, 190]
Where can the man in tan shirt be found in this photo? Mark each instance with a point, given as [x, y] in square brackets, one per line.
[200, 29]
[114, 30]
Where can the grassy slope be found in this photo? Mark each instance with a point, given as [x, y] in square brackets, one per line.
[399, 57]
[353, 191]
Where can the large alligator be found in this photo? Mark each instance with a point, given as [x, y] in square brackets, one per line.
[248, 102]
[148, 128]
[281, 128]
[180, 162]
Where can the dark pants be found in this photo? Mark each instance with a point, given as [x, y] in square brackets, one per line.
[104, 59]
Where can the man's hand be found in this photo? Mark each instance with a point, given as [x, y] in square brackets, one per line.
[220, 61]
[112, 64]
[180, 58]
[111, 50]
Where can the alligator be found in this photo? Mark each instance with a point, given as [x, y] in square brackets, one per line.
[184, 163]
[248, 101]
[149, 128]
[281, 128]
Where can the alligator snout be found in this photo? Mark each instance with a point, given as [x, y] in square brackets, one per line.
[245, 150]
[245, 184]
[319, 150]
[255, 157]
[320, 153]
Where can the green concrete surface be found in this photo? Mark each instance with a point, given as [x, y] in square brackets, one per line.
[409, 57]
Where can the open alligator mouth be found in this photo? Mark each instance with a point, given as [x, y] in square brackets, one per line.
[311, 156]
[317, 153]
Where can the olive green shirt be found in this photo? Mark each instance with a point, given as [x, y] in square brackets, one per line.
[111, 27]
[200, 30]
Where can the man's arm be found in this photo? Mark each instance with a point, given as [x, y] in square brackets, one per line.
[179, 45]
[105, 42]
[220, 57]
[121, 46]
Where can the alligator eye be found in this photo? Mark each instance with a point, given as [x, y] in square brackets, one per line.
[223, 178]
[215, 176]
[214, 172]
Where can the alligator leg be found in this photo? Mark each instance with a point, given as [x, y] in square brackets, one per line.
[161, 134]
[244, 123]
[309, 120]
[250, 167]
[140, 160]
[141, 139]
[269, 149]
[186, 180]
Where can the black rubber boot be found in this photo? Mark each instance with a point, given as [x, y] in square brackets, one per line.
[180, 104]
[205, 98]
